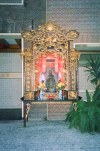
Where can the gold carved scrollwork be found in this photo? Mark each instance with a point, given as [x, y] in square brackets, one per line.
[28, 64]
[72, 34]
[47, 36]
[29, 95]
[28, 106]
[72, 94]
[74, 57]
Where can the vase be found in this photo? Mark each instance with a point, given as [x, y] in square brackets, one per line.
[41, 94]
[60, 94]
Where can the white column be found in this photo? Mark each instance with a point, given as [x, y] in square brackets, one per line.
[22, 50]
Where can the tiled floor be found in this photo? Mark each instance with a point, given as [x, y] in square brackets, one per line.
[45, 136]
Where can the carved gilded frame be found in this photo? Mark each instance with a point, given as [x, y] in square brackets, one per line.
[41, 41]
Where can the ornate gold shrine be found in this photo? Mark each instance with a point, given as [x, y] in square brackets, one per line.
[48, 47]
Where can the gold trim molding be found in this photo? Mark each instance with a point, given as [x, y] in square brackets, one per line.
[10, 75]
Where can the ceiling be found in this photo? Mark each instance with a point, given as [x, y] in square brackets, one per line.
[88, 47]
[10, 42]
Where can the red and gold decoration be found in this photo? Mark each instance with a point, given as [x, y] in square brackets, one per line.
[48, 48]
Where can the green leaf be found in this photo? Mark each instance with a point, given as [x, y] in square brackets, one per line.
[93, 69]
[88, 96]
[87, 116]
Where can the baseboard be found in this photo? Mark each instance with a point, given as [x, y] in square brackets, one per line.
[10, 114]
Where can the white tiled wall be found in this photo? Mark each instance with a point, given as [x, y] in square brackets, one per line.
[10, 62]
[11, 85]
[84, 83]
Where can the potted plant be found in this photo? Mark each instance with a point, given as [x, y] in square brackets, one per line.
[85, 115]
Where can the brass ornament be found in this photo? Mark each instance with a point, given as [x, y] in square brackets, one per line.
[29, 95]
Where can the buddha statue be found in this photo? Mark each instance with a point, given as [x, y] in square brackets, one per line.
[50, 82]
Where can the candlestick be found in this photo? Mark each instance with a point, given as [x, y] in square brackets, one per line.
[32, 24]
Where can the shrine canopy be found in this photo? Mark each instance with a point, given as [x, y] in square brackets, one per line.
[50, 36]
[49, 49]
